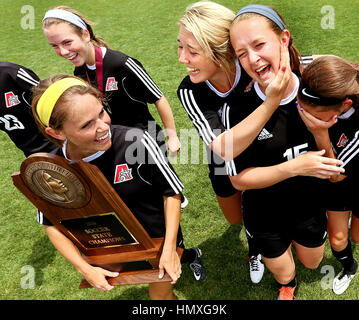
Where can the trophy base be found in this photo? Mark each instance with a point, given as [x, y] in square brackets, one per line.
[132, 277]
[133, 272]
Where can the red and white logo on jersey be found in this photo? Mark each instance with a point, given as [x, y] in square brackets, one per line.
[122, 173]
[111, 84]
[342, 141]
[11, 99]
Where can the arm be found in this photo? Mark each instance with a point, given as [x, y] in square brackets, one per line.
[308, 164]
[233, 142]
[165, 112]
[94, 275]
[169, 260]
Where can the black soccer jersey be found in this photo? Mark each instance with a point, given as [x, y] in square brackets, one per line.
[283, 138]
[138, 171]
[127, 88]
[344, 136]
[16, 118]
[206, 107]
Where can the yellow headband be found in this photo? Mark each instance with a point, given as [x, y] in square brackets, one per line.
[49, 98]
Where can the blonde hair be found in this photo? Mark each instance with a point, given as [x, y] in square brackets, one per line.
[210, 23]
[96, 39]
[59, 114]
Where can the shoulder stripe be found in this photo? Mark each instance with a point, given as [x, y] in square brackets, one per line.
[144, 77]
[157, 155]
[196, 116]
[225, 116]
[22, 74]
[230, 166]
[40, 217]
[350, 151]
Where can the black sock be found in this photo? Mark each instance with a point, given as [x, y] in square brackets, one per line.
[188, 255]
[345, 257]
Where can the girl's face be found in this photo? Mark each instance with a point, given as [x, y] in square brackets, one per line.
[190, 53]
[87, 127]
[69, 45]
[257, 48]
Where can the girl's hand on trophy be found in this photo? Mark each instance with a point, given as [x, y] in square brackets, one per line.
[97, 278]
[170, 263]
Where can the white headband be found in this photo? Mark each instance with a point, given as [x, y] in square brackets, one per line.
[66, 16]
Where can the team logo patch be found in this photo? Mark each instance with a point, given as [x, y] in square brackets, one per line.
[122, 173]
[343, 140]
[11, 99]
[111, 84]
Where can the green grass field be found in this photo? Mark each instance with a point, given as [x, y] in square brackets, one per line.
[147, 30]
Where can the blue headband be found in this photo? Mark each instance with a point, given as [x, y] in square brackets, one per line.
[263, 11]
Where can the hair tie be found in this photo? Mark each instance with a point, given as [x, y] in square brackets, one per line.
[47, 102]
[263, 11]
[66, 16]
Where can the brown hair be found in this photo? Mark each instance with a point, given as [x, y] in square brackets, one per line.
[331, 78]
[96, 39]
[294, 54]
[59, 113]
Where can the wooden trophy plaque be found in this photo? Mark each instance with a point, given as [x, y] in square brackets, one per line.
[76, 198]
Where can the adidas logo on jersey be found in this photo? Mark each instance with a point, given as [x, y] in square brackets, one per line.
[11, 99]
[264, 135]
[111, 84]
[122, 173]
[342, 141]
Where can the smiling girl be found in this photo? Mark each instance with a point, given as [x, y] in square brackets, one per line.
[69, 112]
[282, 204]
[125, 86]
[214, 85]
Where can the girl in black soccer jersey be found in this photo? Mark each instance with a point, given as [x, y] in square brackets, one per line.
[214, 85]
[122, 81]
[282, 202]
[69, 112]
[124, 85]
[328, 99]
[16, 118]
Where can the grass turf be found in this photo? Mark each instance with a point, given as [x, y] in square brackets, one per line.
[147, 30]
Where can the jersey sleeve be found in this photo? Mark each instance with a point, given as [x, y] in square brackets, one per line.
[26, 78]
[41, 219]
[21, 79]
[203, 114]
[350, 156]
[138, 84]
[156, 170]
[305, 60]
